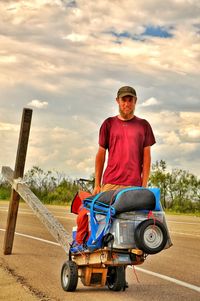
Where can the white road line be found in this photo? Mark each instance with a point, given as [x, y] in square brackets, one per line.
[167, 278]
[20, 211]
[26, 211]
[5, 208]
[35, 238]
[65, 217]
[186, 234]
[176, 281]
[51, 209]
[185, 223]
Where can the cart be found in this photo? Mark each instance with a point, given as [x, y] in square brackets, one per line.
[132, 236]
[102, 267]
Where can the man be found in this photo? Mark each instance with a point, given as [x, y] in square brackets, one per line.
[128, 140]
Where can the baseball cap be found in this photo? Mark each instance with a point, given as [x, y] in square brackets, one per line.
[126, 90]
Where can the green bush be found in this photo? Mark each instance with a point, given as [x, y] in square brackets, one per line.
[62, 194]
[5, 192]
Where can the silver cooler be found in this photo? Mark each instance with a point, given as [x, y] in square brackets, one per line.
[124, 225]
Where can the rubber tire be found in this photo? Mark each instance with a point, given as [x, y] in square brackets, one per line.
[140, 236]
[69, 276]
[116, 278]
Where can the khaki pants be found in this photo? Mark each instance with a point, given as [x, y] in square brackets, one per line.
[106, 187]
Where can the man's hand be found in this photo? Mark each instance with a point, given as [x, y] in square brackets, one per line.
[96, 190]
[146, 165]
[99, 164]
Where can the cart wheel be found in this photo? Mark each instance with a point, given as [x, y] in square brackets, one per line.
[151, 236]
[69, 276]
[116, 278]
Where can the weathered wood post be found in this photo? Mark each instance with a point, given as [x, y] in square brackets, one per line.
[55, 228]
[18, 173]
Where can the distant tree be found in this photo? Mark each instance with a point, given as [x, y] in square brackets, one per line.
[40, 181]
[63, 193]
[160, 178]
[184, 189]
[180, 190]
[5, 189]
[50, 186]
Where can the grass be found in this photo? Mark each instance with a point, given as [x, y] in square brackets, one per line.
[59, 203]
[171, 212]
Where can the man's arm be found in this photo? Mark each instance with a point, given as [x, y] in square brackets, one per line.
[146, 165]
[99, 164]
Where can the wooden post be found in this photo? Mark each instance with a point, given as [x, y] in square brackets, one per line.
[45, 216]
[18, 172]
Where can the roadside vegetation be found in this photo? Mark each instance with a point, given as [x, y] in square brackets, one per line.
[180, 190]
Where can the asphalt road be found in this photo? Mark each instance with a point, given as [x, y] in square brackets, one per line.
[173, 274]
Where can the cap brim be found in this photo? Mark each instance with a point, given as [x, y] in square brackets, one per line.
[127, 94]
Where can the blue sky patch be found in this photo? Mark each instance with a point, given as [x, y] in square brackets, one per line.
[157, 31]
[153, 31]
[124, 35]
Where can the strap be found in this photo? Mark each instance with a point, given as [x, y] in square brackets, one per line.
[94, 240]
[93, 221]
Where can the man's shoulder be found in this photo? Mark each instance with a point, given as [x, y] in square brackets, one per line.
[110, 120]
[141, 120]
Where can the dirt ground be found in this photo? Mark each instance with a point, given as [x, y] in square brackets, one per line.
[11, 288]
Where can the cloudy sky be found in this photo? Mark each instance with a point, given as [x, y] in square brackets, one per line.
[67, 59]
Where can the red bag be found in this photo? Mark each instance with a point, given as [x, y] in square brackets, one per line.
[78, 201]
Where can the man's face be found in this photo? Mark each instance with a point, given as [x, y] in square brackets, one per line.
[126, 106]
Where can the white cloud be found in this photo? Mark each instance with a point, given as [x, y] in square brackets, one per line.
[190, 126]
[150, 102]
[7, 59]
[77, 57]
[75, 37]
[193, 132]
[177, 144]
[8, 127]
[71, 150]
[38, 104]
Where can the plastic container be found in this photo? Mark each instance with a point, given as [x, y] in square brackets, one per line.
[124, 225]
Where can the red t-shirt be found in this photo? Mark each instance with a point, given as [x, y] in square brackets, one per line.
[125, 141]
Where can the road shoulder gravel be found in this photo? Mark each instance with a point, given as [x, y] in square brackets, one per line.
[12, 287]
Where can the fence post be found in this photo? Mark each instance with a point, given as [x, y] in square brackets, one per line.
[18, 172]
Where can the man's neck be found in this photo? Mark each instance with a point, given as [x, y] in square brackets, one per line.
[124, 118]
